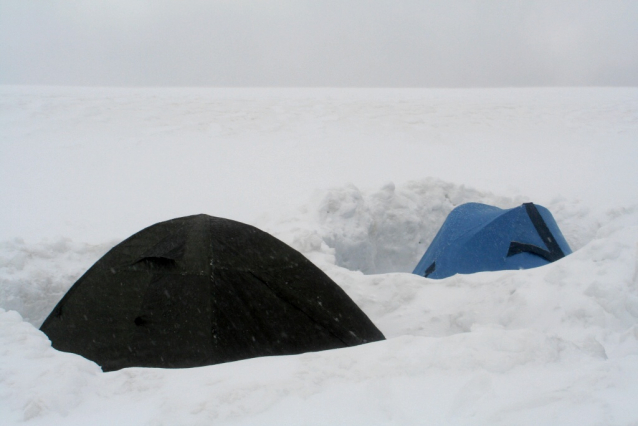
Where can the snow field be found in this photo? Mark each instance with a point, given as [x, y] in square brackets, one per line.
[552, 345]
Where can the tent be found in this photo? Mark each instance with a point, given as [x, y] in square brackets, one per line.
[477, 237]
[201, 290]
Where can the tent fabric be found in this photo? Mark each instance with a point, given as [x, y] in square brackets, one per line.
[201, 290]
[476, 237]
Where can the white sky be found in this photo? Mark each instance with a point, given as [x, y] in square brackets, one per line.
[378, 43]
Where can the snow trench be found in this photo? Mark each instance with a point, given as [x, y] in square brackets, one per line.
[375, 232]
[389, 229]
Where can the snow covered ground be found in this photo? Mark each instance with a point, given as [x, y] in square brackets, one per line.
[358, 180]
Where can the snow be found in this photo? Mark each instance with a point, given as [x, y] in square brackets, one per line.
[358, 180]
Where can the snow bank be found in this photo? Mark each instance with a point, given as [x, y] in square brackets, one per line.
[389, 229]
[488, 376]
[34, 277]
[35, 379]
[374, 232]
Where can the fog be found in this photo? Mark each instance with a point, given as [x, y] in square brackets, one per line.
[353, 43]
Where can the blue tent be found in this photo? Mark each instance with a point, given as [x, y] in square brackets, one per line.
[477, 237]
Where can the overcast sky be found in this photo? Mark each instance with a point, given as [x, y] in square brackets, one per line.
[358, 43]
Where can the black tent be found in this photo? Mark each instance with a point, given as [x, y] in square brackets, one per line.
[201, 290]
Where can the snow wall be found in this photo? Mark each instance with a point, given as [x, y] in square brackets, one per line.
[375, 232]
